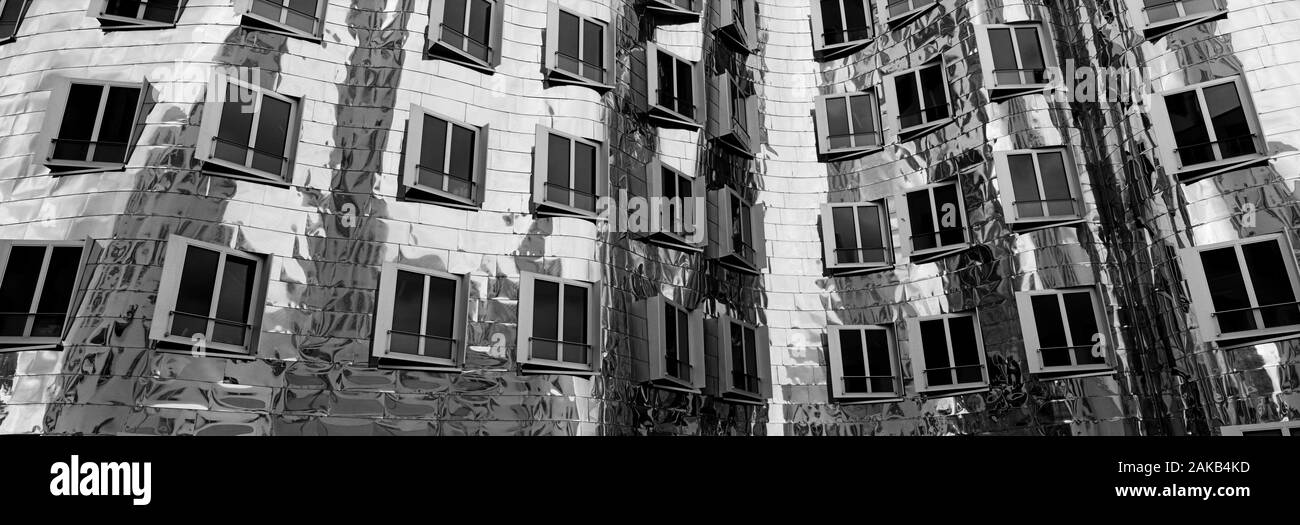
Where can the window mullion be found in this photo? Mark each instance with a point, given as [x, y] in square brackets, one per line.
[559, 329]
[857, 234]
[34, 308]
[216, 294]
[99, 123]
[1043, 205]
[934, 216]
[469, 9]
[1250, 285]
[252, 133]
[1065, 326]
[866, 363]
[446, 156]
[424, 315]
[952, 355]
[1207, 117]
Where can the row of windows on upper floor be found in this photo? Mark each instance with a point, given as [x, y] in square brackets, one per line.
[211, 299]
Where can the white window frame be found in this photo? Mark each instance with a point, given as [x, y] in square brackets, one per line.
[1288, 428]
[433, 38]
[673, 12]
[54, 123]
[1006, 189]
[26, 342]
[1203, 303]
[918, 8]
[173, 270]
[557, 75]
[1155, 30]
[828, 51]
[727, 386]
[662, 115]
[414, 150]
[1029, 330]
[891, 101]
[723, 125]
[723, 249]
[18, 23]
[823, 127]
[837, 363]
[541, 158]
[262, 23]
[1168, 143]
[527, 300]
[384, 319]
[657, 358]
[741, 34]
[999, 91]
[98, 8]
[829, 246]
[917, 352]
[663, 227]
[905, 216]
[212, 114]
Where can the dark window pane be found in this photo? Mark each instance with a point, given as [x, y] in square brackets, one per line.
[864, 120]
[570, 33]
[235, 131]
[546, 319]
[670, 339]
[854, 362]
[934, 347]
[909, 101]
[163, 11]
[738, 376]
[1272, 283]
[685, 90]
[272, 135]
[948, 205]
[593, 55]
[923, 226]
[77, 129]
[872, 231]
[965, 350]
[408, 297]
[301, 14]
[453, 18]
[575, 324]
[60, 282]
[462, 153]
[879, 364]
[433, 151]
[934, 91]
[440, 317]
[831, 22]
[1188, 123]
[18, 289]
[9, 17]
[667, 80]
[557, 170]
[668, 181]
[480, 28]
[124, 8]
[584, 176]
[857, 21]
[1024, 186]
[1057, 185]
[846, 236]
[1053, 346]
[119, 120]
[236, 299]
[1227, 290]
[751, 356]
[1083, 327]
[683, 332]
[1229, 118]
[1031, 55]
[1005, 67]
[1270, 432]
[194, 297]
[837, 119]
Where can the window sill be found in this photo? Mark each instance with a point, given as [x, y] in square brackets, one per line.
[1197, 172]
[850, 154]
[916, 132]
[557, 77]
[675, 385]
[441, 51]
[736, 38]
[838, 51]
[1059, 373]
[1163, 28]
[173, 345]
[554, 210]
[396, 363]
[667, 118]
[670, 12]
[221, 168]
[934, 254]
[740, 265]
[121, 23]
[60, 168]
[748, 398]
[999, 94]
[437, 197]
[28, 344]
[851, 271]
[953, 390]
[737, 142]
[1023, 227]
[906, 18]
[548, 368]
[672, 242]
[254, 22]
[1256, 337]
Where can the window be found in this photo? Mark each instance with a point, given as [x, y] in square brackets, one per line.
[738, 242]
[137, 14]
[863, 365]
[467, 32]
[11, 16]
[680, 217]
[675, 90]
[919, 97]
[558, 327]
[737, 112]
[1166, 16]
[848, 125]
[249, 131]
[38, 281]
[841, 27]
[736, 23]
[91, 125]
[420, 322]
[674, 11]
[1064, 330]
[1212, 127]
[298, 18]
[936, 221]
[745, 372]
[445, 159]
[209, 295]
[1244, 290]
[579, 50]
[856, 237]
[900, 12]
[569, 174]
[1281, 428]
[676, 345]
[1013, 59]
[948, 352]
[1038, 188]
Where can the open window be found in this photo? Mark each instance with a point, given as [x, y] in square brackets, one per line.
[1209, 128]
[579, 50]
[249, 132]
[445, 160]
[936, 224]
[558, 325]
[467, 32]
[91, 125]
[744, 372]
[738, 241]
[841, 27]
[12, 13]
[296, 18]
[38, 288]
[856, 237]
[901, 12]
[674, 354]
[1064, 331]
[1244, 291]
[1038, 188]
[735, 22]
[678, 207]
[137, 14]
[948, 353]
[676, 89]
[1162, 17]
[420, 321]
[919, 99]
[1281, 428]
[1014, 59]
[848, 125]
[734, 124]
[673, 11]
[210, 297]
[864, 363]
[570, 174]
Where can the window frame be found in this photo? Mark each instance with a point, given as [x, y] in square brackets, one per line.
[1288, 428]
[414, 150]
[541, 157]
[1168, 142]
[28, 342]
[1203, 302]
[891, 101]
[662, 115]
[1153, 31]
[18, 23]
[829, 246]
[550, 64]
[383, 324]
[211, 124]
[256, 22]
[836, 363]
[435, 48]
[523, 349]
[121, 23]
[53, 124]
[905, 209]
[657, 357]
[723, 250]
[906, 17]
[726, 367]
[173, 270]
[1001, 92]
[824, 51]
[1029, 331]
[740, 36]
[1006, 189]
[724, 127]
[822, 123]
[699, 190]
[917, 353]
[671, 13]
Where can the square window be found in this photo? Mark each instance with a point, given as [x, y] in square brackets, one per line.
[1161, 17]
[678, 205]
[249, 132]
[848, 125]
[210, 297]
[744, 372]
[936, 221]
[732, 125]
[676, 89]
[1014, 59]
[467, 32]
[137, 14]
[570, 174]
[92, 125]
[579, 50]
[900, 12]
[1281, 428]
[1209, 128]
[445, 160]
[420, 322]
[738, 241]
[674, 11]
[919, 99]
[558, 325]
[856, 237]
[948, 353]
[841, 27]
[11, 16]
[1064, 331]
[864, 363]
[675, 356]
[1038, 188]
[735, 22]
[297, 18]
[39, 282]
[1244, 291]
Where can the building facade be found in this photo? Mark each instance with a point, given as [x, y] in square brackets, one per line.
[621, 217]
